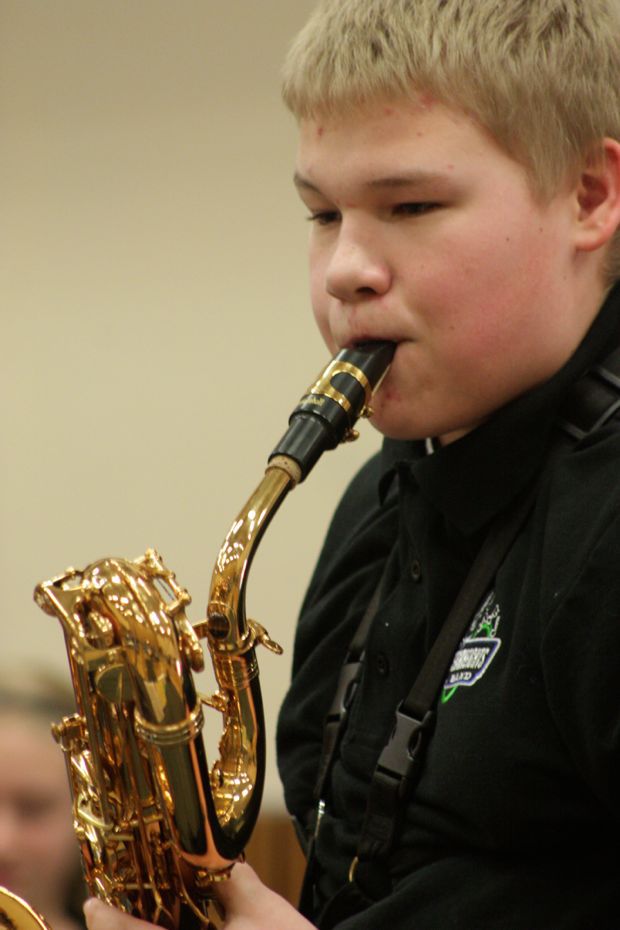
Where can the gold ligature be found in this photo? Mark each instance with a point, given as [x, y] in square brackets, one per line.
[156, 827]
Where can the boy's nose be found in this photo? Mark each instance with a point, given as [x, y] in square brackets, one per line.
[356, 270]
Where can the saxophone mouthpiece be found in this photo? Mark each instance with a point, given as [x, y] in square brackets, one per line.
[329, 409]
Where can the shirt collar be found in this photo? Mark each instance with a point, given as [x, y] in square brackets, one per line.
[474, 478]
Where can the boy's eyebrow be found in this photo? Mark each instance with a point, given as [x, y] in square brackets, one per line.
[304, 184]
[407, 179]
[403, 179]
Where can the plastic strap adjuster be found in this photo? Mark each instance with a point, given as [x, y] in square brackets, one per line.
[400, 755]
[345, 691]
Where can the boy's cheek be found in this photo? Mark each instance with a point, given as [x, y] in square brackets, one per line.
[320, 311]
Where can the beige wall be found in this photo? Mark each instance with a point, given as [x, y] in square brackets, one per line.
[154, 318]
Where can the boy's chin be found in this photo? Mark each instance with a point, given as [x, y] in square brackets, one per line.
[409, 430]
[392, 428]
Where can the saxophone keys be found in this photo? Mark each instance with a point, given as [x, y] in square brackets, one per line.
[261, 637]
[218, 701]
[205, 879]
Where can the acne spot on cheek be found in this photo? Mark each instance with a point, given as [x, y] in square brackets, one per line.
[320, 131]
[388, 111]
[388, 395]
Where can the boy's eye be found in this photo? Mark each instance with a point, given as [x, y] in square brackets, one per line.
[410, 208]
[414, 208]
[324, 217]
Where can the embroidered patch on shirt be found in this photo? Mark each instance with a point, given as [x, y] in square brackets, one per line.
[476, 650]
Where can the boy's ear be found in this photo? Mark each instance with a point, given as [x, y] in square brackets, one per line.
[598, 198]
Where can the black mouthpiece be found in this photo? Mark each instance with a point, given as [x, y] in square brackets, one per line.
[332, 405]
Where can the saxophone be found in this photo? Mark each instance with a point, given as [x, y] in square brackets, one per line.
[157, 828]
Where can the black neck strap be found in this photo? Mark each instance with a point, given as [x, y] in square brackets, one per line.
[400, 761]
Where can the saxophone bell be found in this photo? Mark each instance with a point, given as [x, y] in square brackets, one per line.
[17, 914]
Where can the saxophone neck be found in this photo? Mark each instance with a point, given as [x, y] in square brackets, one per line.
[323, 418]
[226, 627]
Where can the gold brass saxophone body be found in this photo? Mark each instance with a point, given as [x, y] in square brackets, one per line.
[157, 828]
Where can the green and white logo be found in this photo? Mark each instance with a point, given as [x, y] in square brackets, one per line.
[476, 650]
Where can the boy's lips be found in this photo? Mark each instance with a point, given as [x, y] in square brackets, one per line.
[361, 340]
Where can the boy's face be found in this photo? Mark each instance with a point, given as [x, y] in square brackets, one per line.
[426, 233]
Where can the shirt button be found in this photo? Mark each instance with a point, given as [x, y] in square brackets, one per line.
[382, 665]
[416, 570]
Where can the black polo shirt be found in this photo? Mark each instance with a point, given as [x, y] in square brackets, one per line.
[514, 823]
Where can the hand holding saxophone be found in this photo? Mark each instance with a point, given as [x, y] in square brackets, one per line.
[247, 905]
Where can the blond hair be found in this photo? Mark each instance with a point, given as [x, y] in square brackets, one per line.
[542, 76]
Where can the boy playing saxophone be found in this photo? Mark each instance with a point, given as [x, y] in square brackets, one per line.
[460, 164]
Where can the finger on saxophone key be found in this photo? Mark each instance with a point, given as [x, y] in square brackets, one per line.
[100, 916]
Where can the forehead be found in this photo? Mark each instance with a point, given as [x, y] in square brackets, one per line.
[391, 135]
